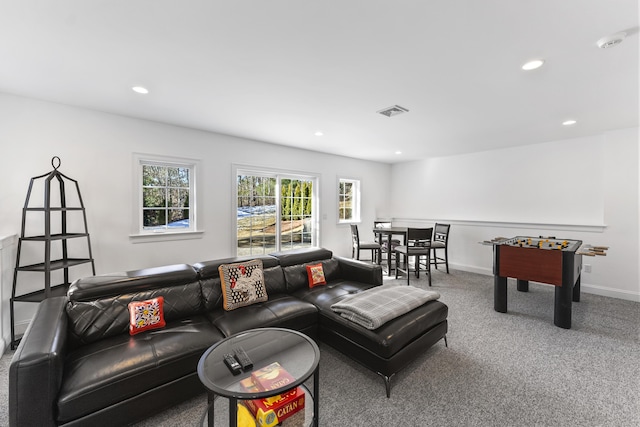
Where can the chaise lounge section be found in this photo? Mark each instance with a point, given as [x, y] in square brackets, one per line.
[78, 365]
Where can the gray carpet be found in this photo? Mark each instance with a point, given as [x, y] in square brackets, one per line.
[499, 369]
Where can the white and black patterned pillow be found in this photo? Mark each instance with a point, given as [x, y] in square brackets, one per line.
[242, 284]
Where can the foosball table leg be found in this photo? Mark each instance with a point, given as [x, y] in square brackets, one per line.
[576, 291]
[523, 285]
[562, 306]
[500, 294]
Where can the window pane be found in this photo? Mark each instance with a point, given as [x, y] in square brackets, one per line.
[167, 195]
[154, 175]
[348, 200]
[178, 218]
[267, 223]
[178, 177]
[178, 198]
[256, 231]
[154, 197]
[154, 218]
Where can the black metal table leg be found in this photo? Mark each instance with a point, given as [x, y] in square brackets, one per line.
[316, 397]
[233, 412]
[210, 415]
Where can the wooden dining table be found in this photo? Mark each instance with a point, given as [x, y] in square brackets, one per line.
[389, 232]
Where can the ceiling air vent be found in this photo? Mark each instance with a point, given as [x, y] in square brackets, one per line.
[393, 111]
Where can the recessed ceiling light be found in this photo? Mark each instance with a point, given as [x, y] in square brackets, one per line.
[398, 152]
[569, 122]
[318, 133]
[140, 89]
[532, 65]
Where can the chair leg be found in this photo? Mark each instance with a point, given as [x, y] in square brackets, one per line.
[429, 267]
[446, 258]
[435, 258]
[395, 255]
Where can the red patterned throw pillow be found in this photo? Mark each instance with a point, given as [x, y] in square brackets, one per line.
[316, 275]
[145, 315]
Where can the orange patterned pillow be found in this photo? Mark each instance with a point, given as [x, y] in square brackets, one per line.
[145, 315]
[316, 275]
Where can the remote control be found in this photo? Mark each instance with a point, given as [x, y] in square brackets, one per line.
[243, 359]
[232, 364]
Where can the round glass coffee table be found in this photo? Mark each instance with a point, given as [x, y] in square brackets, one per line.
[295, 352]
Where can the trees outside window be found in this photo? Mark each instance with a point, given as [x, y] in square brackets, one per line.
[275, 212]
[166, 195]
[348, 200]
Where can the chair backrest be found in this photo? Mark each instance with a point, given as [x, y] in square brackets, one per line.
[419, 236]
[381, 224]
[441, 233]
[355, 238]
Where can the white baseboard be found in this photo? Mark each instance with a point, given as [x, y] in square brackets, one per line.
[610, 292]
[584, 287]
[472, 269]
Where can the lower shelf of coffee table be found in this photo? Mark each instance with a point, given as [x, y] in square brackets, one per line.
[222, 413]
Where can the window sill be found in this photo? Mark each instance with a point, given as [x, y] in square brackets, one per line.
[166, 236]
[355, 221]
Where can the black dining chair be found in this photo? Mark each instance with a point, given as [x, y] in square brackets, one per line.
[440, 242]
[418, 244]
[357, 245]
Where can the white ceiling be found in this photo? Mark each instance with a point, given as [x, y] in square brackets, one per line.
[280, 70]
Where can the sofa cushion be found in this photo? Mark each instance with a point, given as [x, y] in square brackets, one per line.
[389, 338]
[302, 256]
[97, 306]
[90, 321]
[211, 287]
[296, 276]
[114, 369]
[209, 274]
[284, 311]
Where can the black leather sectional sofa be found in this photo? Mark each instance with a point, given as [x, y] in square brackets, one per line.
[77, 365]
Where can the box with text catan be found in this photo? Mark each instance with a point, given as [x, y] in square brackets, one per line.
[271, 411]
[271, 377]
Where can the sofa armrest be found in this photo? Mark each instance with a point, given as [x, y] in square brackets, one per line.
[360, 271]
[35, 374]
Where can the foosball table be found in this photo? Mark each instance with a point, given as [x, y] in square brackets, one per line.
[548, 260]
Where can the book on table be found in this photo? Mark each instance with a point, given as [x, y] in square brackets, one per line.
[271, 377]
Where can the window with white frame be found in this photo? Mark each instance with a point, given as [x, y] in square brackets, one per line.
[275, 210]
[348, 200]
[166, 201]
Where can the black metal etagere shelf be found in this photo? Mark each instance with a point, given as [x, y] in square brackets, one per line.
[48, 265]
